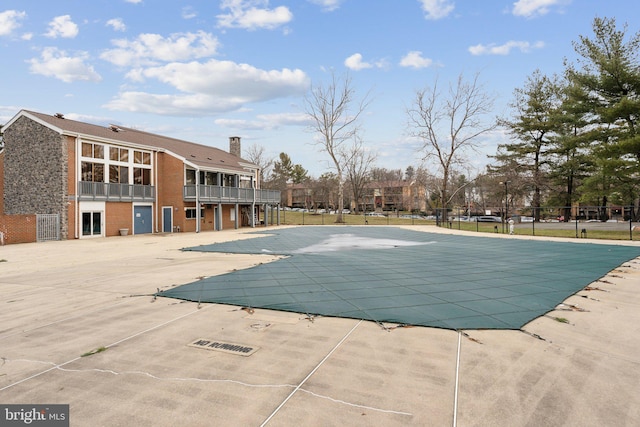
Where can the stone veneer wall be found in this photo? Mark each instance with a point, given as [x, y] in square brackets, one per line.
[35, 171]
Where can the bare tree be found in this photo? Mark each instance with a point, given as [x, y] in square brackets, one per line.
[256, 154]
[333, 116]
[358, 164]
[448, 126]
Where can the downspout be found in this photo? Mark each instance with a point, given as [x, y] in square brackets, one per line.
[76, 220]
[197, 200]
[155, 184]
[253, 203]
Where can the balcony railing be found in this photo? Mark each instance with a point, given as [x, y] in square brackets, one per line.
[115, 192]
[218, 194]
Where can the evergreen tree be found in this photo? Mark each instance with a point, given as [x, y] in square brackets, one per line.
[531, 128]
[608, 74]
[570, 163]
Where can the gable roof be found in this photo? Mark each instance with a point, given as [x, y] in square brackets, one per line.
[198, 155]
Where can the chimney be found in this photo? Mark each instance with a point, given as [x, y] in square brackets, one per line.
[234, 146]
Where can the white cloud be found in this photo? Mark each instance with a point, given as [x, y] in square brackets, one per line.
[133, 1]
[355, 62]
[10, 20]
[531, 8]
[266, 121]
[253, 15]
[328, 5]
[504, 49]
[62, 26]
[414, 59]
[188, 12]
[437, 9]
[117, 24]
[211, 87]
[149, 49]
[242, 124]
[56, 63]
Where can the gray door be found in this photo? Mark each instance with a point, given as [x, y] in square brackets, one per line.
[142, 220]
[166, 219]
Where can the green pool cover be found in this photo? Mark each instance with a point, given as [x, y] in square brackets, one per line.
[388, 274]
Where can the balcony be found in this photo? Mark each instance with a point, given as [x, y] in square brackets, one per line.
[114, 192]
[218, 194]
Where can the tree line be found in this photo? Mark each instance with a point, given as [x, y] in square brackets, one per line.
[572, 137]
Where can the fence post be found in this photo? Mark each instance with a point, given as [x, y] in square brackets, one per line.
[533, 226]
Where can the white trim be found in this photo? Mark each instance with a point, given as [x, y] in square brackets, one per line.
[23, 113]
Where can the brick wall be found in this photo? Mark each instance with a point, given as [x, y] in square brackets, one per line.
[170, 183]
[227, 223]
[1, 181]
[118, 215]
[18, 228]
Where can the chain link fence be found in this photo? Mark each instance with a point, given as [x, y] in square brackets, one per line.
[599, 222]
[592, 222]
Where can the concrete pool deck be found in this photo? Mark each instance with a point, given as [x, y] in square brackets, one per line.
[79, 326]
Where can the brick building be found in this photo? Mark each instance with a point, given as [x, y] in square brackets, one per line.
[90, 181]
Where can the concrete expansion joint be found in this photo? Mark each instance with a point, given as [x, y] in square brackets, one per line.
[198, 380]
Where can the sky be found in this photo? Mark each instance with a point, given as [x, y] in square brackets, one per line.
[203, 71]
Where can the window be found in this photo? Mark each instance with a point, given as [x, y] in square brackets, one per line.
[208, 178]
[118, 174]
[142, 176]
[212, 178]
[190, 177]
[141, 157]
[91, 223]
[118, 154]
[190, 213]
[95, 151]
[117, 166]
[92, 172]
[245, 182]
[228, 180]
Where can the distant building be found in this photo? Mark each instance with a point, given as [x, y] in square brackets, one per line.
[400, 195]
[377, 196]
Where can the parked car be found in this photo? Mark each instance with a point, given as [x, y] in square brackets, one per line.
[487, 218]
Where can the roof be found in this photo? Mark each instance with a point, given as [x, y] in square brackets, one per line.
[198, 155]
